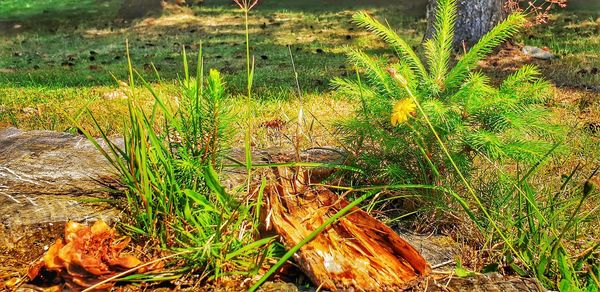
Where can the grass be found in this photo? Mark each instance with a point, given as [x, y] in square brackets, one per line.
[56, 10]
[575, 38]
[50, 74]
[55, 70]
[174, 197]
[62, 67]
[315, 37]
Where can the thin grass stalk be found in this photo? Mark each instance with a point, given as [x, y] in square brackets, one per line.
[259, 201]
[421, 145]
[246, 7]
[300, 128]
[586, 192]
[564, 185]
[305, 164]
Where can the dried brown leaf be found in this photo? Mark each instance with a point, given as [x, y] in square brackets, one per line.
[87, 255]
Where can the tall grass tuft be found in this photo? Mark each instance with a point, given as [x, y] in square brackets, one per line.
[549, 225]
[169, 165]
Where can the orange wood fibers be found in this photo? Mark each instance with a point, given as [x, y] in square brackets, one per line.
[356, 252]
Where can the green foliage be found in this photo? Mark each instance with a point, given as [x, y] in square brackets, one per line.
[403, 49]
[436, 47]
[544, 225]
[457, 115]
[169, 165]
[472, 117]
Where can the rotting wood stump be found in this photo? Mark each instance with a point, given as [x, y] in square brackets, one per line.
[357, 252]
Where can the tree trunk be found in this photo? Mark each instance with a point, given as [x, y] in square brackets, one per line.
[474, 19]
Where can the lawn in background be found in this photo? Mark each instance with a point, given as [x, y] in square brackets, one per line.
[58, 57]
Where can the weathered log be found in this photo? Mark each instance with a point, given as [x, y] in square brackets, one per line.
[357, 252]
[46, 179]
[480, 283]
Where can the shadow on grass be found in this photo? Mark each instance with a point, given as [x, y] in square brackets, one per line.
[49, 15]
[88, 55]
[414, 8]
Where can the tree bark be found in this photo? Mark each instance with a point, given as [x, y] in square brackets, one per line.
[357, 252]
[474, 20]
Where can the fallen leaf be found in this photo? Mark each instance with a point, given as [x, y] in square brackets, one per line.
[86, 256]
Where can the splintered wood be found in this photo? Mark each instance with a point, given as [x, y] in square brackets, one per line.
[357, 252]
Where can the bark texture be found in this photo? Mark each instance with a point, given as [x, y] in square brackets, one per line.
[474, 19]
[356, 253]
[46, 179]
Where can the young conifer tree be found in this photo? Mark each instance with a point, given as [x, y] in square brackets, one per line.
[472, 117]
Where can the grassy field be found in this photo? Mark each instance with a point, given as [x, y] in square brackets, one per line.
[49, 64]
[61, 58]
[55, 59]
